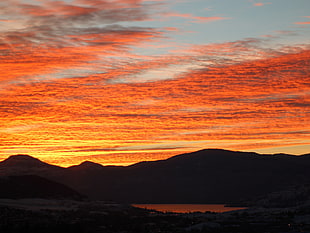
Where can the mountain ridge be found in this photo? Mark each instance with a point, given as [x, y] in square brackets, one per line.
[205, 176]
[86, 163]
[23, 159]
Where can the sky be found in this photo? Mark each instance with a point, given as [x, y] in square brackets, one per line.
[122, 81]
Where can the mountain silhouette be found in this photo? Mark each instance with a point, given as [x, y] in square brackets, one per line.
[86, 166]
[25, 164]
[206, 176]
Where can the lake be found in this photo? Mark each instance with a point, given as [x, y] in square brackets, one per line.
[186, 208]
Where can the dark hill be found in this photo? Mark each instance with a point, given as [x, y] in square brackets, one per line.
[206, 176]
[209, 176]
[31, 186]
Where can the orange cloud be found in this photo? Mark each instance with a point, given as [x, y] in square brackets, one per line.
[261, 3]
[72, 88]
[263, 100]
[303, 23]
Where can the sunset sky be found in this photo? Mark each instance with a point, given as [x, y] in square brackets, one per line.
[121, 81]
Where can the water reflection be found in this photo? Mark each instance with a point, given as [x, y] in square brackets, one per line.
[186, 208]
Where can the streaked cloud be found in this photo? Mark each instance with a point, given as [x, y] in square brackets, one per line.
[56, 35]
[304, 23]
[74, 84]
[251, 99]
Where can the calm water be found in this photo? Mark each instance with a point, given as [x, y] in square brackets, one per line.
[186, 208]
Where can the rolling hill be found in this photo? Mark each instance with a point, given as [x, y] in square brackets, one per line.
[33, 186]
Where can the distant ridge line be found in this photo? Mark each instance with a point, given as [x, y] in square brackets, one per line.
[88, 163]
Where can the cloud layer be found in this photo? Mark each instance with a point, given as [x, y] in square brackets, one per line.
[73, 87]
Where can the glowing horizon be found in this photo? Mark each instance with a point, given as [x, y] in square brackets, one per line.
[118, 82]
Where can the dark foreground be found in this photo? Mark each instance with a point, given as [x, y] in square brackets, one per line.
[50, 216]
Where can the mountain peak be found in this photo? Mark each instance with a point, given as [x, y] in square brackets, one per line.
[24, 164]
[88, 165]
[209, 153]
[21, 156]
[22, 160]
